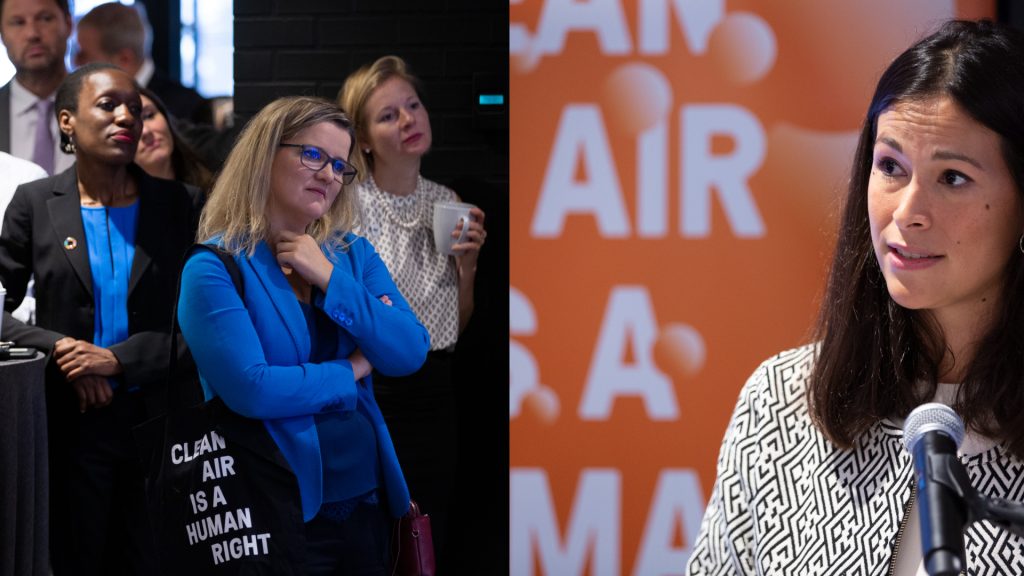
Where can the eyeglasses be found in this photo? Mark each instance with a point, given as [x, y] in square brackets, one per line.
[315, 159]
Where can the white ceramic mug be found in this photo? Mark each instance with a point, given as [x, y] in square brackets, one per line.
[447, 215]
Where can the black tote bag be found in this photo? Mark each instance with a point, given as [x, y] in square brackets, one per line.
[222, 498]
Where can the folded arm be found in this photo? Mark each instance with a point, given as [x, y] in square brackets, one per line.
[230, 357]
[388, 333]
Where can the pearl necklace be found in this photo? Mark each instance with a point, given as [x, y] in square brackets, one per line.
[392, 203]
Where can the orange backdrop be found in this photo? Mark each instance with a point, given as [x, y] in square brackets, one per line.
[675, 168]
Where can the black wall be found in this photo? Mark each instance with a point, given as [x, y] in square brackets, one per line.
[287, 47]
[165, 19]
[458, 48]
[1011, 12]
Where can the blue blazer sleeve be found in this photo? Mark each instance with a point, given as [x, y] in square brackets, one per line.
[230, 356]
[391, 337]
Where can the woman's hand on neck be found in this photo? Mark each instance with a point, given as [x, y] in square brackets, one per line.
[107, 185]
[299, 256]
[398, 178]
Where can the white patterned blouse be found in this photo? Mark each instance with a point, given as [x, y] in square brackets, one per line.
[787, 501]
[400, 228]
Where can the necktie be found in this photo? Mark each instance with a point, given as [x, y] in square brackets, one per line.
[42, 154]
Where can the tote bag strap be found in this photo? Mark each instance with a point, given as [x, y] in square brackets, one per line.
[174, 392]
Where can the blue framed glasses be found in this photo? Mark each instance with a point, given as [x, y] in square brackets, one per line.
[315, 159]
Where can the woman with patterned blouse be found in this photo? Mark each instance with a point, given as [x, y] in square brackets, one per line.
[923, 304]
[393, 133]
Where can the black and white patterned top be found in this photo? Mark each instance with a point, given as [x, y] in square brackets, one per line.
[400, 228]
[787, 501]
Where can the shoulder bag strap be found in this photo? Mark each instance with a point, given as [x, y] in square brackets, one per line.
[174, 392]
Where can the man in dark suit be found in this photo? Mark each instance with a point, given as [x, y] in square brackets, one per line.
[121, 35]
[35, 33]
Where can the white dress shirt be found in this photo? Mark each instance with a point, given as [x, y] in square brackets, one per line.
[145, 72]
[24, 117]
[17, 171]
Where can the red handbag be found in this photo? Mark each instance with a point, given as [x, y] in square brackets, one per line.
[413, 551]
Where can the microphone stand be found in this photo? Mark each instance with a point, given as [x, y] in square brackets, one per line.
[947, 470]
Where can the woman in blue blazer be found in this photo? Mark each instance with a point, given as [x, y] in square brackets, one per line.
[319, 312]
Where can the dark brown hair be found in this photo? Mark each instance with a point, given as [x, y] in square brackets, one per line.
[120, 26]
[64, 6]
[185, 161]
[874, 353]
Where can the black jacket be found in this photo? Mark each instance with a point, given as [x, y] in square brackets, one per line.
[5, 118]
[43, 235]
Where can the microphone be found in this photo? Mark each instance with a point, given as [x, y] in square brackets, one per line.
[932, 434]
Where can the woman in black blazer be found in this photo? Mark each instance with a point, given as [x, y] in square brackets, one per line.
[104, 241]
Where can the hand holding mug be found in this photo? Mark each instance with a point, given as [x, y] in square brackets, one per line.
[472, 236]
[458, 227]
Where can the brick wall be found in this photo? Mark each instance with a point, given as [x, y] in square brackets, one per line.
[285, 47]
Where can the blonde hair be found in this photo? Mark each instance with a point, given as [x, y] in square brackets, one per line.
[358, 88]
[237, 207]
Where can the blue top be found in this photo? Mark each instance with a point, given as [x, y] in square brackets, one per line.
[110, 236]
[258, 354]
[350, 468]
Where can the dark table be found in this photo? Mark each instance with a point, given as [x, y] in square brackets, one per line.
[24, 481]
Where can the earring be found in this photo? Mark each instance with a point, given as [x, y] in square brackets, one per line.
[67, 145]
[1020, 243]
[366, 151]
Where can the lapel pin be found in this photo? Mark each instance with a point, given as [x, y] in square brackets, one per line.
[70, 243]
